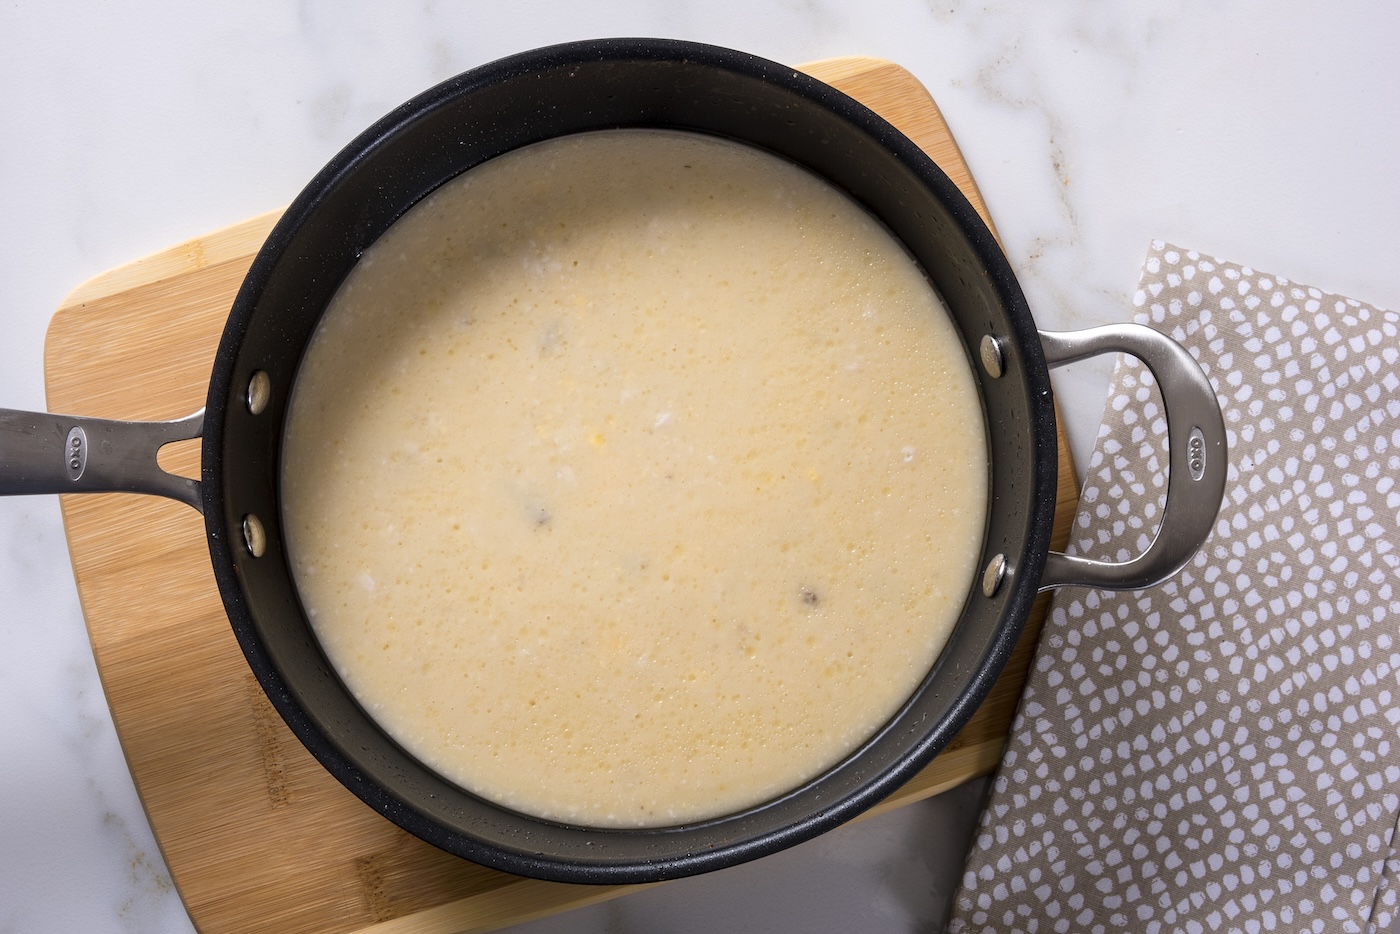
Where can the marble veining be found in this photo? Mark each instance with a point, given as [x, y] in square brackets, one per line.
[1259, 132]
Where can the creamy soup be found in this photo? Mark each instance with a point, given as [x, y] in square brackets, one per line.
[634, 478]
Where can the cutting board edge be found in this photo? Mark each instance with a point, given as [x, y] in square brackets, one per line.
[220, 245]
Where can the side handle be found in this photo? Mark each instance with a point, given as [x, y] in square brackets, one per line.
[1196, 466]
[43, 453]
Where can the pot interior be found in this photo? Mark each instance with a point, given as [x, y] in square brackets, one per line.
[526, 99]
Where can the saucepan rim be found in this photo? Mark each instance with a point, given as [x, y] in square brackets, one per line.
[267, 326]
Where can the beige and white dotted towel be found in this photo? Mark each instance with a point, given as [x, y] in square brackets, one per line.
[1221, 753]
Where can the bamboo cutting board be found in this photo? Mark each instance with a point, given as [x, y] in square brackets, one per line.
[256, 835]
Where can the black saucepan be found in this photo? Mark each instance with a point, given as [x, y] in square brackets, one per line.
[569, 89]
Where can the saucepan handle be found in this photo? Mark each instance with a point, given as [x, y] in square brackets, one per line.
[1196, 465]
[43, 453]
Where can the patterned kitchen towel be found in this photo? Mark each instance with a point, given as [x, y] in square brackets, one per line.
[1221, 753]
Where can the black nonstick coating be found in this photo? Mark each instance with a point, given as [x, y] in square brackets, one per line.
[525, 99]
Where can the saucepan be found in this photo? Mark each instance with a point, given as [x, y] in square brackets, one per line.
[570, 89]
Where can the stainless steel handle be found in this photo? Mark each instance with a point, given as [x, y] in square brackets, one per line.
[1196, 466]
[43, 453]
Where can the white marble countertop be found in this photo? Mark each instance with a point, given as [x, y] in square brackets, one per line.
[1265, 133]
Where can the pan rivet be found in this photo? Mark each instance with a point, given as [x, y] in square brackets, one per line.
[259, 392]
[991, 356]
[992, 577]
[253, 536]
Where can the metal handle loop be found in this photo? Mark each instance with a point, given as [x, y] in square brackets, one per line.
[1197, 458]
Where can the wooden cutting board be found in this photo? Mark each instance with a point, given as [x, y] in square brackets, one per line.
[256, 835]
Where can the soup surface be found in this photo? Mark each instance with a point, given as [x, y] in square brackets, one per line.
[634, 478]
